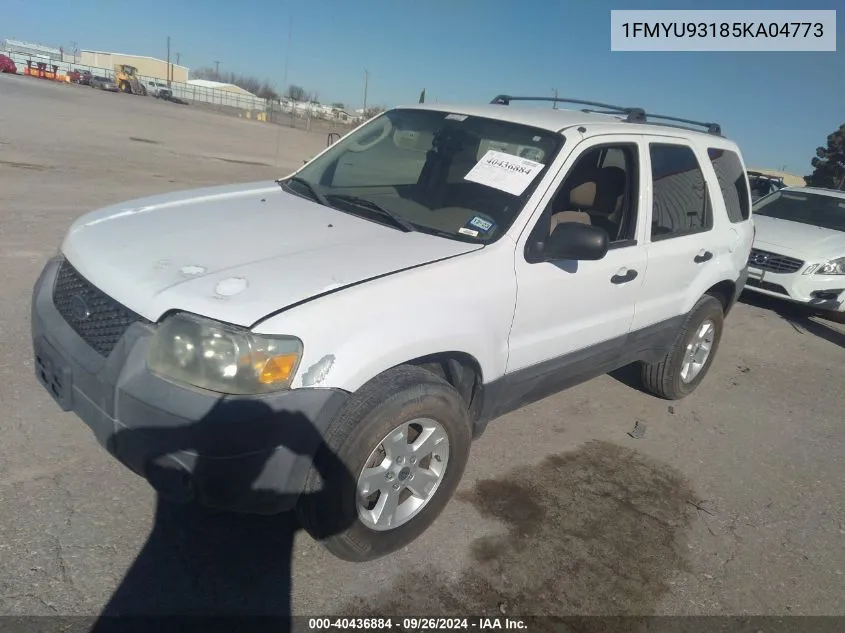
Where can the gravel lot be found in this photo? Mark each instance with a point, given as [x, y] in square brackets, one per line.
[731, 503]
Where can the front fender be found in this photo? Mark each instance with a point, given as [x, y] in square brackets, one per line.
[356, 333]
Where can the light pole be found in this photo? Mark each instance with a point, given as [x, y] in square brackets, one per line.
[366, 85]
[287, 53]
[554, 103]
[217, 70]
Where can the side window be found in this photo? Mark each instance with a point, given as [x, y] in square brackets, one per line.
[681, 204]
[732, 181]
[600, 189]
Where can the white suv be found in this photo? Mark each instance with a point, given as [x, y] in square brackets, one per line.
[157, 89]
[334, 340]
[799, 249]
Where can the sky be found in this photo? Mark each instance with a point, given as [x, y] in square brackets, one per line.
[778, 106]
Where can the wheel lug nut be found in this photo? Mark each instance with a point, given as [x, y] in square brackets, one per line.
[413, 460]
[396, 486]
[400, 459]
[389, 476]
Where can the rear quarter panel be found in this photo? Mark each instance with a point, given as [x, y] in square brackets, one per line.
[734, 237]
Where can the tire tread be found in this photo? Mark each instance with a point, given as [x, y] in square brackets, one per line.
[402, 385]
[659, 378]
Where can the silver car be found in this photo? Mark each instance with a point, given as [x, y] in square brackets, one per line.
[103, 83]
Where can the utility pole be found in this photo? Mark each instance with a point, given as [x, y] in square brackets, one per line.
[168, 61]
[366, 84]
[178, 55]
[554, 103]
[217, 70]
[287, 54]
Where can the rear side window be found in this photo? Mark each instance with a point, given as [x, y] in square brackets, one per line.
[732, 181]
[681, 204]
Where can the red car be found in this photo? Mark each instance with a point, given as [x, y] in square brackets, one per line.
[81, 77]
[7, 65]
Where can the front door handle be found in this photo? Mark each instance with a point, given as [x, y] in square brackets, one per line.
[623, 276]
[703, 256]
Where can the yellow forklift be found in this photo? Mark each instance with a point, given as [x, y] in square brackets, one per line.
[126, 79]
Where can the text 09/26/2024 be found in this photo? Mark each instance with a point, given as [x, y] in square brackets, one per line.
[416, 624]
[736, 31]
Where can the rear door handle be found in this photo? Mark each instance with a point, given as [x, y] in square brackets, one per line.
[703, 256]
[623, 276]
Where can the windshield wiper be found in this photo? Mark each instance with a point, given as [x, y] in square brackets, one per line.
[315, 195]
[398, 220]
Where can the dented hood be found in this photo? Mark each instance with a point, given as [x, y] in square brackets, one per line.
[236, 253]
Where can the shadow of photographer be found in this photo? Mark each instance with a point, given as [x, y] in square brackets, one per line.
[221, 567]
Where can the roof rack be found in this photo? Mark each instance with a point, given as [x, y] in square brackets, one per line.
[632, 115]
[760, 174]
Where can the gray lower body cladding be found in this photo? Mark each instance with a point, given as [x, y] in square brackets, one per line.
[243, 454]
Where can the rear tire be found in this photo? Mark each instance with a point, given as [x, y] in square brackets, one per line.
[367, 423]
[682, 369]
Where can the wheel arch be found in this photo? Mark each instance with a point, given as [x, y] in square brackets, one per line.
[725, 292]
[459, 369]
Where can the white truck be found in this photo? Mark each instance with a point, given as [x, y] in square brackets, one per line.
[157, 89]
[334, 340]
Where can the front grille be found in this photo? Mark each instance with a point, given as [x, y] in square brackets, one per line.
[773, 262]
[766, 285]
[96, 317]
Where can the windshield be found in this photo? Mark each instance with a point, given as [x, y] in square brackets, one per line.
[807, 208]
[458, 176]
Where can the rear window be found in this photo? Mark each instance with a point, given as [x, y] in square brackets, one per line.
[732, 181]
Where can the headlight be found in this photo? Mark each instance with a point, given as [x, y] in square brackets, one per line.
[833, 267]
[222, 358]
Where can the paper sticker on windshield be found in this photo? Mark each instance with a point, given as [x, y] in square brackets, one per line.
[477, 222]
[456, 117]
[505, 172]
[465, 231]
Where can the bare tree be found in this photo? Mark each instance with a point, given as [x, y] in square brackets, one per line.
[373, 111]
[297, 93]
[266, 91]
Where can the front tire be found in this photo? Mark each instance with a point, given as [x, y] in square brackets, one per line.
[402, 442]
[677, 374]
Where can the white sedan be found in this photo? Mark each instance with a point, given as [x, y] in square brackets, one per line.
[799, 248]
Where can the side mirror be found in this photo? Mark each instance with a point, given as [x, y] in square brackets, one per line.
[574, 240]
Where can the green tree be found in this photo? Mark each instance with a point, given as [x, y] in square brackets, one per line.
[829, 163]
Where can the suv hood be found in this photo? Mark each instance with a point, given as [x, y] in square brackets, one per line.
[805, 241]
[237, 253]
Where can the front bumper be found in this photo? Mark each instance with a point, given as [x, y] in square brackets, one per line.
[820, 292]
[244, 454]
